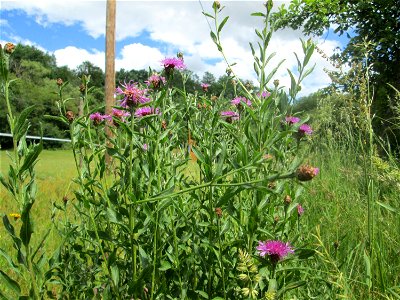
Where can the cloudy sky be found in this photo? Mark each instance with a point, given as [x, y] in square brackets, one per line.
[148, 31]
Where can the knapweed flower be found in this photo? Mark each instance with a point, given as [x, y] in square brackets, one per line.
[305, 129]
[59, 82]
[120, 114]
[276, 250]
[300, 210]
[239, 101]
[145, 111]
[173, 63]
[306, 172]
[264, 94]
[205, 87]
[133, 95]
[155, 81]
[292, 120]
[145, 147]
[230, 116]
[16, 216]
[97, 118]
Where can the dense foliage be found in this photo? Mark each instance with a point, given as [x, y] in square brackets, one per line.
[374, 31]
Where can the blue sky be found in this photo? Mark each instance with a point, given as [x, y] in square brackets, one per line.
[148, 31]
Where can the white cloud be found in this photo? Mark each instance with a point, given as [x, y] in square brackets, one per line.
[73, 57]
[175, 25]
[138, 56]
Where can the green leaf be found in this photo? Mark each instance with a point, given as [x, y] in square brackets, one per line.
[290, 286]
[387, 206]
[258, 14]
[115, 274]
[11, 264]
[222, 24]
[21, 123]
[165, 265]
[10, 283]
[30, 158]
[202, 294]
[27, 225]
[208, 15]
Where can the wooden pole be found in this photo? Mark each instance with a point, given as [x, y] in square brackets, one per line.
[110, 65]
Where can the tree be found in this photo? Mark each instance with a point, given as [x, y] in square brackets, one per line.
[208, 78]
[375, 29]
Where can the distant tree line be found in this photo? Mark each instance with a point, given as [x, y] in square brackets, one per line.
[37, 74]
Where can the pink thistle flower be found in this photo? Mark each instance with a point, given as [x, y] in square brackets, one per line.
[264, 94]
[173, 63]
[305, 129]
[276, 250]
[205, 87]
[292, 120]
[145, 147]
[145, 111]
[155, 81]
[120, 114]
[230, 116]
[238, 102]
[300, 210]
[98, 118]
[133, 95]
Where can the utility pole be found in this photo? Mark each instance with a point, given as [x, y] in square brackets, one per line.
[110, 66]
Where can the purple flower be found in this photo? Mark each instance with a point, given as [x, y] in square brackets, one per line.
[133, 95]
[145, 147]
[292, 120]
[145, 111]
[238, 101]
[173, 63]
[305, 129]
[276, 250]
[205, 87]
[300, 210]
[264, 94]
[120, 114]
[230, 116]
[97, 118]
[155, 81]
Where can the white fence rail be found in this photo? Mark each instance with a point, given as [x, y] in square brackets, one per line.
[38, 138]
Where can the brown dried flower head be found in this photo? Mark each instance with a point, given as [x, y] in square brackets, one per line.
[306, 172]
[218, 212]
[70, 116]
[60, 82]
[9, 48]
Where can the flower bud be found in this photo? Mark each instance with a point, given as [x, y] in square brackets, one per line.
[276, 83]
[216, 5]
[60, 82]
[287, 200]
